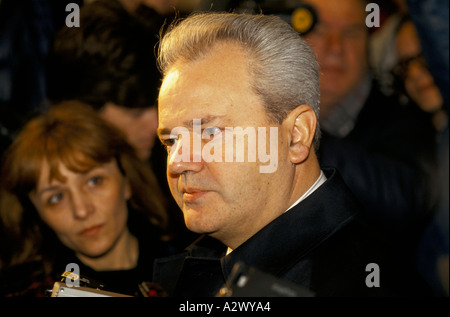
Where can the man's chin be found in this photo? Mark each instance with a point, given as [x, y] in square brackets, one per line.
[200, 228]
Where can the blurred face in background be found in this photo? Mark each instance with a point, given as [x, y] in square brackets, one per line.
[339, 41]
[419, 84]
[138, 124]
[86, 210]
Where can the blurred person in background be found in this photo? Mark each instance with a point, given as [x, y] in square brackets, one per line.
[430, 18]
[414, 79]
[108, 63]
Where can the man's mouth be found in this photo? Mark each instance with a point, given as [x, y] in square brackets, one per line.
[193, 194]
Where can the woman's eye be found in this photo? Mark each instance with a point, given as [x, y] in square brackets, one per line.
[95, 181]
[55, 199]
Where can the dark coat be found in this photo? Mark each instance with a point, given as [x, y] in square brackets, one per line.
[320, 244]
[388, 161]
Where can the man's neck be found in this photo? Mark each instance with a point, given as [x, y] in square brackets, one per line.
[320, 180]
[341, 118]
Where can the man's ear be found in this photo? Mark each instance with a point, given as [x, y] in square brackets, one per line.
[301, 124]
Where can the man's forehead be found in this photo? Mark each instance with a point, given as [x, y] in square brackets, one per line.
[220, 60]
[207, 83]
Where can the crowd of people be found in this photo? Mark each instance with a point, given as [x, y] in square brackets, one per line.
[94, 121]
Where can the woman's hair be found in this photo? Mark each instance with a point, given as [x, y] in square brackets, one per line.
[284, 70]
[73, 134]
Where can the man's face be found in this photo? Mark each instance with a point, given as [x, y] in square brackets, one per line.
[339, 41]
[228, 200]
[139, 125]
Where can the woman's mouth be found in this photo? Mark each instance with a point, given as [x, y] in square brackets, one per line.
[91, 231]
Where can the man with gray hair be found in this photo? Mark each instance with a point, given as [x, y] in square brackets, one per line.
[297, 222]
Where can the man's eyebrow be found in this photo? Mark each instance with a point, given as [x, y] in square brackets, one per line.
[205, 120]
[189, 124]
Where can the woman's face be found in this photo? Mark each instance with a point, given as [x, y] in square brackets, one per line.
[419, 83]
[88, 211]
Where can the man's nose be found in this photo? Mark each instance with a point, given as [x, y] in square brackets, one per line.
[185, 156]
[334, 42]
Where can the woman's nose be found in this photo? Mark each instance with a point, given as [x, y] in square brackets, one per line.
[82, 205]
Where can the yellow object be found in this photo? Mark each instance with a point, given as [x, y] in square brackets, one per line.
[302, 20]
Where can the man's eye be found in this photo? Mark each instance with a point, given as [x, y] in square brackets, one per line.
[207, 132]
[168, 142]
[55, 199]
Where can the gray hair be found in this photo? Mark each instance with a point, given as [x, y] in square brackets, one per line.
[284, 68]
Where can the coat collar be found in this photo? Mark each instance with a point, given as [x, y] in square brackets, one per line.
[283, 242]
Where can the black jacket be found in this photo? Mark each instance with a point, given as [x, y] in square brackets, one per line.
[320, 244]
[388, 161]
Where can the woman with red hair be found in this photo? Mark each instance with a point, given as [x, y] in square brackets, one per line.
[74, 191]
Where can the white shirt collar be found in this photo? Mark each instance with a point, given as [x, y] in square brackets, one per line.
[322, 178]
